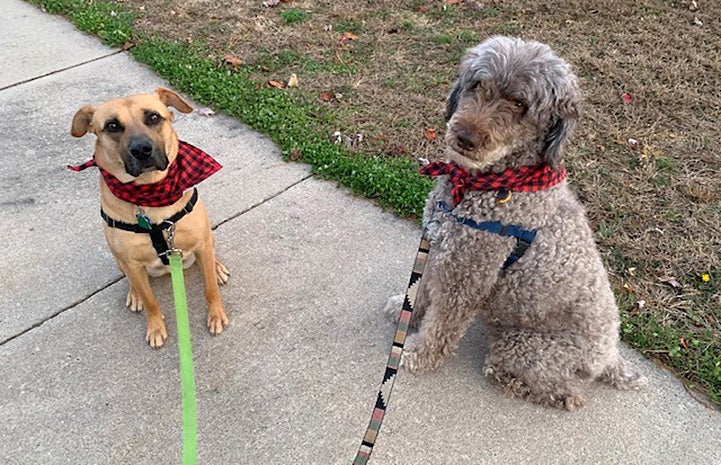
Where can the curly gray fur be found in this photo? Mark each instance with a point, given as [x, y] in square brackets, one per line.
[551, 317]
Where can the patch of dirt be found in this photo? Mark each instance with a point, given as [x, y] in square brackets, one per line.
[650, 73]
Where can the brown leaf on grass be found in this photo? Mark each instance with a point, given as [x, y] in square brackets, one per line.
[276, 84]
[626, 98]
[295, 154]
[422, 9]
[452, 2]
[430, 134]
[293, 81]
[683, 343]
[326, 96]
[349, 36]
[127, 46]
[627, 287]
[232, 62]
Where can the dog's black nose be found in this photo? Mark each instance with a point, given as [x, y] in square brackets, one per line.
[140, 149]
[467, 140]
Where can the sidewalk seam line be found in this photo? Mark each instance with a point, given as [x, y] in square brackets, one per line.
[117, 280]
[61, 311]
[57, 71]
[267, 199]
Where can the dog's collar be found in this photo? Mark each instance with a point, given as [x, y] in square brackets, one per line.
[519, 179]
[157, 230]
[190, 167]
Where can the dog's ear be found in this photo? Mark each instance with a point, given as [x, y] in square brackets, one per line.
[556, 141]
[82, 121]
[561, 129]
[171, 99]
[452, 100]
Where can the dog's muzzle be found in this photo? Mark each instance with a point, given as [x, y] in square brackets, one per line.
[143, 156]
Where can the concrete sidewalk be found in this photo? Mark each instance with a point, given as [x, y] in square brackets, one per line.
[294, 377]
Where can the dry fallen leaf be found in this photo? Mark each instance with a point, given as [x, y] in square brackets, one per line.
[293, 81]
[349, 36]
[683, 343]
[422, 9]
[276, 84]
[232, 61]
[671, 281]
[127, 45]
[452, 2]
[326, 96]
[626, 98]
[295, 154]
[271, 3]
[627, 287]
[430, 134]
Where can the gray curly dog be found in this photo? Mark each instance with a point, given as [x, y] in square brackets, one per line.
[551, 319]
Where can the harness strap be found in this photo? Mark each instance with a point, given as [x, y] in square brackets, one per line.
[524, 237]
[160, 244]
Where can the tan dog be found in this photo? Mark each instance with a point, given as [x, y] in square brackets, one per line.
[137, 144]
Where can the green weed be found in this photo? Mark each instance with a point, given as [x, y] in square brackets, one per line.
[294, 16]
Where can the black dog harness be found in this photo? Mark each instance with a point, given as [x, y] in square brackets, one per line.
[157, 231]
[524, 238]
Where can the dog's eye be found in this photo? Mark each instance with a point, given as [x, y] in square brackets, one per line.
[112, 126]
[519, 106]
[152, 118]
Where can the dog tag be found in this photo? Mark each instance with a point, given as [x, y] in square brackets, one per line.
[503, 196]
[143, 220]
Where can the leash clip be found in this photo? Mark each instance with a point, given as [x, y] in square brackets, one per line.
[170, 239]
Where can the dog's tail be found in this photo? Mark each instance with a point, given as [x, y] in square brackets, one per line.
[622, 375]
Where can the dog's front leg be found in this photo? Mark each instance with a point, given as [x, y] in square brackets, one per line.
[458, 285]
[213, 272]
[155, 334]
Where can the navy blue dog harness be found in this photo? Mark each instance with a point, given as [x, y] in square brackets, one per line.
[524, 237]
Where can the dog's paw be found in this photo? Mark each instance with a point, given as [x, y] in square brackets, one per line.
[417, 357]
[574, 402]
[624, 376]
[217, 321]
[156, 334]
[221, 273]
[393, 307]
[133, 301]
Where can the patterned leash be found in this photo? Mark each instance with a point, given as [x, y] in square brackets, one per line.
[394, 360]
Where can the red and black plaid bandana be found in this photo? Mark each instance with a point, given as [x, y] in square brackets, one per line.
[522, 179]
[190, 167]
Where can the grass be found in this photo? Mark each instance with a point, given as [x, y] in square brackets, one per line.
[294, 16]
[656, 209]
[293, 124]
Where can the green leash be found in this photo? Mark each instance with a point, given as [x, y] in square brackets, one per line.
[185, 353]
